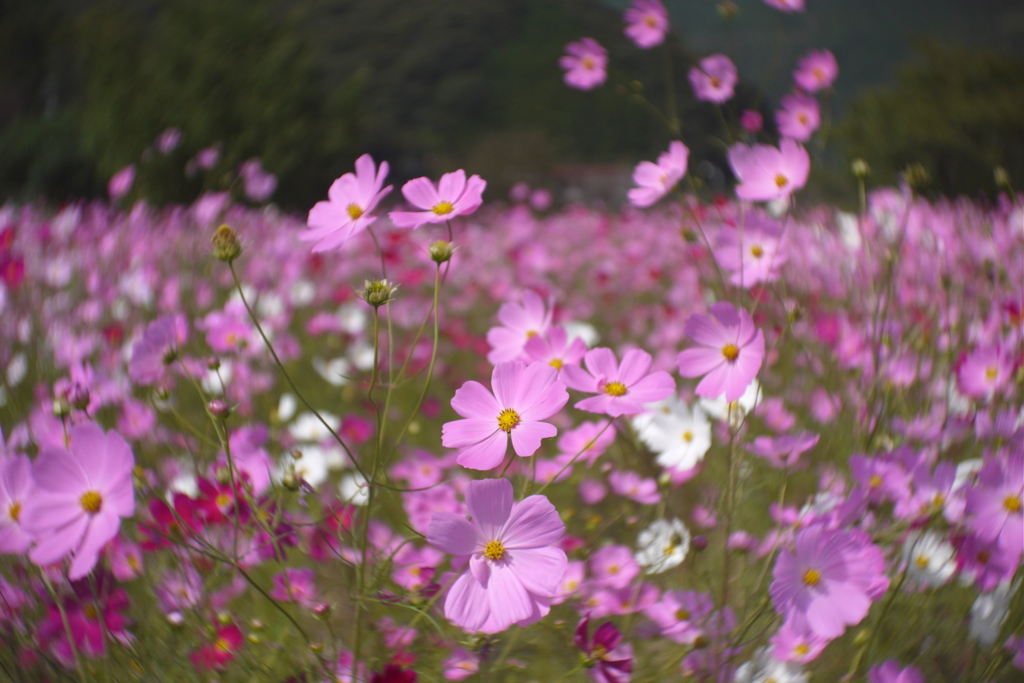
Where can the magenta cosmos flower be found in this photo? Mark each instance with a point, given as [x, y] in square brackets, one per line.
[766, 173]
[646, 23]
[584, 64]
[654, 181]
[714, 80]
[622, 389]
[830, 578]
[348, 210]
[515, 566]
[731, 355]
[799, 117]
[523, 395]
[453, 196]
[815, 71]
[81, 493]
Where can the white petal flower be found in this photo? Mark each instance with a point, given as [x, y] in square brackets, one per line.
[663, 545]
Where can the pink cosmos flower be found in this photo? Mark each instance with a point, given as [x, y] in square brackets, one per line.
[523, 396]
[121, 182]
[731, 355]
[348, 210]
[622, 389]
[891, 672]
[15, 489]
[816, 70]
[519, 324]
[453, 196]
[830, 577]
[554, 348]
[766, 173]
[169, 140]
[656, 180]
[80, 496]
[295, 585]
[584, 64]
[629, 484]
[515, 566]
[646, 23]
[714, 80]
[752, 121]
[995, 506]
[157, 349]
[786, 5]
[799, 117]
[984, 371]
[259, 183]
[755, 255]
[613, 566]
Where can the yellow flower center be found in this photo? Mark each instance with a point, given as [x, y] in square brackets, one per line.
[614, 569]
[757, 251]
[1012, 503]
[494, 550]
[91, 502]
[921, 561]
[650, 21]
[801, 649]
[588, 63]
[222, 644]
[133, 562]
[715, 82]
[731, 352]
[530, 334]
[556, 363]
[991, 372]
[354, 211]
[443, 208]
[687, 436]
[802, 118]
[812, 577]
[682, 614]
[223, 499]
[615, 389]
[508, 419]
[875, 481]
[819, 73]
[14, 510]
[231, 338]
[780, 180]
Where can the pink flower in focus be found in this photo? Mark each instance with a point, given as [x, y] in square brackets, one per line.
[731, 355]
[816, 70]
[714, 80]
[523, 395]
[121, 182]
[799, 117]
[15, 489]
[80, 496]
[657, 180]
[646, 23]
[453, 196]
[766, 173]
[348, 210]
[622, 389]
[786, 5]
[515, 566]
[519, 324]
[584, 64]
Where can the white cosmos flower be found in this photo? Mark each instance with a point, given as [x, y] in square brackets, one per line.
[679, 435]
[989, 612]
[663, 545]
[718, 408]
[929, 558]
[353, 489]
[308, 428]
[764, 668]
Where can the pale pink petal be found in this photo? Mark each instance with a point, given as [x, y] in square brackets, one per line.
[451, 186]
[57, 470]
[696, 362]
[473, 400]
[411, 219]
[489, 502]
[634, 366]
[55, 546]
[420, 193]
[707, 331]
[462, 433]
[510, 602]
[533, 523]
[654, 387]
[102, 527]
[485, 455]
[505, 380]
[467, 604]
[539, 569]
[602, 364]
[451, 533]
[577, 378]
[526, 437]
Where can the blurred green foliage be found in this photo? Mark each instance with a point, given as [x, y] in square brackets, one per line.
[956, 112]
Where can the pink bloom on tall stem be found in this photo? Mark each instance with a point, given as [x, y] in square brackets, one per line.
[453, 196]
[714, 80]
[799, 117]
[656, 180]
[523, 396]
[81, 494]
[766, 173]
[646, 23]
[816, 70]
[515, 565]
[622, 389]
[348, 210]
[584, 64]
[731, 355]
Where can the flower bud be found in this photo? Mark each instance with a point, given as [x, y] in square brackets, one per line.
[254, 638]
[218, 408]
[316, 648]
[61, 407]
[257, 625]
[378, 292]
[322, 610]
[224, 618]
[699, 543]
[1002, 178]
[213, 363]
[441, 251]
[225, 244]
[916, 176]
[860, 169]
[78, 396]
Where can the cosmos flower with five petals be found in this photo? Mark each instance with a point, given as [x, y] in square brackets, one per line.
[453, 196]
[349, 209]
[731, 353]
[621, 388]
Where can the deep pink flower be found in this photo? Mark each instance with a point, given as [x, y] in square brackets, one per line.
[622, 389]
[95, 613]
[714, 80]
[656, 180]
[608, 659]
[646, 23]
[519, 324]
[731, 355]
[453, 196]
[584, 64]
[15, 489]
[81, 494]
[786, 5]
[766, 173]
[830, 577]
[393, 673]
[816, 70]
[752, 121]
[515, 566]
[523, 396]
[221, 650]
[348, 210]
[798, 117]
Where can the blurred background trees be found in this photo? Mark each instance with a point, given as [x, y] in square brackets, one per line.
[87, 86]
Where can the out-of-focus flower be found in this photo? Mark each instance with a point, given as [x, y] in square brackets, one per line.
[752, 121]
[714, 79]
[157, 349]
[121, 182]
[259, 184]
[891, 672]
[221, 650]
[663, 545]
[766, 173]
[15, 488]
[584, 64]
[798, 117]
[453, 196]
[520, 322]
[655, 180]
[646, 23]
[984, 371]
[786, 5]
[816, 70]
[348, 210]
[607, 658]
